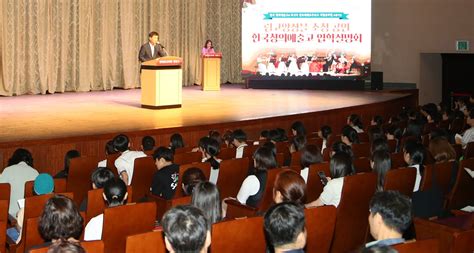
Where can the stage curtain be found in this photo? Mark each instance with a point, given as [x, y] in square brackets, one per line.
[81, 45]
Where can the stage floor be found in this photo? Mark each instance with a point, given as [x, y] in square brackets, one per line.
[40, 117]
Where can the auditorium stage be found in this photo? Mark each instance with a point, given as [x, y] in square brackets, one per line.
[35, 117]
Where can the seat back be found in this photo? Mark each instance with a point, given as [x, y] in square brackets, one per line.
[361, 150]
[249, 151]
[111, 162]
[444, 172]
[79, 178]
[96, 203]
[188, 157]
[469, 150]
[402, 180]
[163, 205]
[362, 164]
[392, 145]
[143, 171]
[5, 191]
[59, 186]
[295, 158]
[204, 167]
[150, 242]
[320, 223]
[462, 193]
[352, 212]
[122, 221]
[463, 241]
[231, 175]
[419, 246]
[32, 235]
[3, 223]
[459, 150]
[227, 153]
[90, 247]
[240, 235]
[398, 160]
[314, 187]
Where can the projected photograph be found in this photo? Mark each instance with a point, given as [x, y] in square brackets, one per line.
[306, 38]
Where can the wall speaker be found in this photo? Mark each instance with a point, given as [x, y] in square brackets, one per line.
[376, 80]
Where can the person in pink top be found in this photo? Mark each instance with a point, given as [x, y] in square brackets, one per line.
[208, 48]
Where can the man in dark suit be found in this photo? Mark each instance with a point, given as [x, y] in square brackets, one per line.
[152, 49]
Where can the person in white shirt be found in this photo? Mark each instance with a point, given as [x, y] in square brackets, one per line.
[324, 133]
[309, 155]
[125, 162]
[239, 138]
[340, 166]
[115, 194]
[468, 135]
[414, 154]
[109, 150]
[349, 135]
[19, 171]
[209, 149]
[355, 122]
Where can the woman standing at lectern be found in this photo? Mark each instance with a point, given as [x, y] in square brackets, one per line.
[208, 48]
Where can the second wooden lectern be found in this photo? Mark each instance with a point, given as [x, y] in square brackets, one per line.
[211, 72]
[161, 82]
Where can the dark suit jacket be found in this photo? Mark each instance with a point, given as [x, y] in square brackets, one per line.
[145, 52]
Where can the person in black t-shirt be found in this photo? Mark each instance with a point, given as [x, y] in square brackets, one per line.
[165, 180]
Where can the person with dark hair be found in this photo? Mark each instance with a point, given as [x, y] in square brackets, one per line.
[65, 246]
[414, 129]
[309, 155]
[125, 162]
[414, 155]
[19, 171]
[339, 167]
[215, 135]
[115, 194]
[468, 135]
[251, 190]
[273, 136]
[379, 145]
[289, 187]
[394, 132]
[148, 143]
[355, 122]
[207, 198]
[67, 161]
[152, 49]
[208, 48]
[375, 133]
[390, 215]
[377, 121]
[192, 177]
[298, 143]
[109, 150]
[239, 140]
[281, 135]
[227, 138]
[60, 220]
[176, 141]
[99, 178]
[263, 135]
[377, 249]
[324, 133]
[297, 129]
[186, 229]
[284, 226]
[210, 148]
[165, 179]
[339, 146]
[349, 135]
[381, 163]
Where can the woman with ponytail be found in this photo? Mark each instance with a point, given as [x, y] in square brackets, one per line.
[115, 194]
[210, 149]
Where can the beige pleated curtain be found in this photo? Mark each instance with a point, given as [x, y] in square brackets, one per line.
[49, 46]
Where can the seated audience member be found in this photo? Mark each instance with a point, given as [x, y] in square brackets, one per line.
[381, 163]
[349, 136]
[443, 151]
[165, 180]
[297, 129]
[273, 136]
[67, 161]
[340, 166]
[375, 133]
[60, 220]
[355, 122]
[19, 171]
[281, 135]
[284, 226]
[414, 154]
[115, 194]
[393, 132]
[298, 143]
[109, 150]
[207, 198]
[414, 129]
[324, 133]
[289, 187]
[263, 135]
[64, 246]
[43, 184]
[176, 141]
[377, 249]
[215, 135]
[227, 138]
[468, 135]
[186, 229]
[339, 146]
[390, 216]
[252, 187]
[99, 178]
[210, 149]
[148, 143]
[379, 145]
[125, 162]
[239, 138]
[192, 177]
[309, 155]
[377, 120]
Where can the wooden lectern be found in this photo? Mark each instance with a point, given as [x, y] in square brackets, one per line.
[162, 81]
[211, 71]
